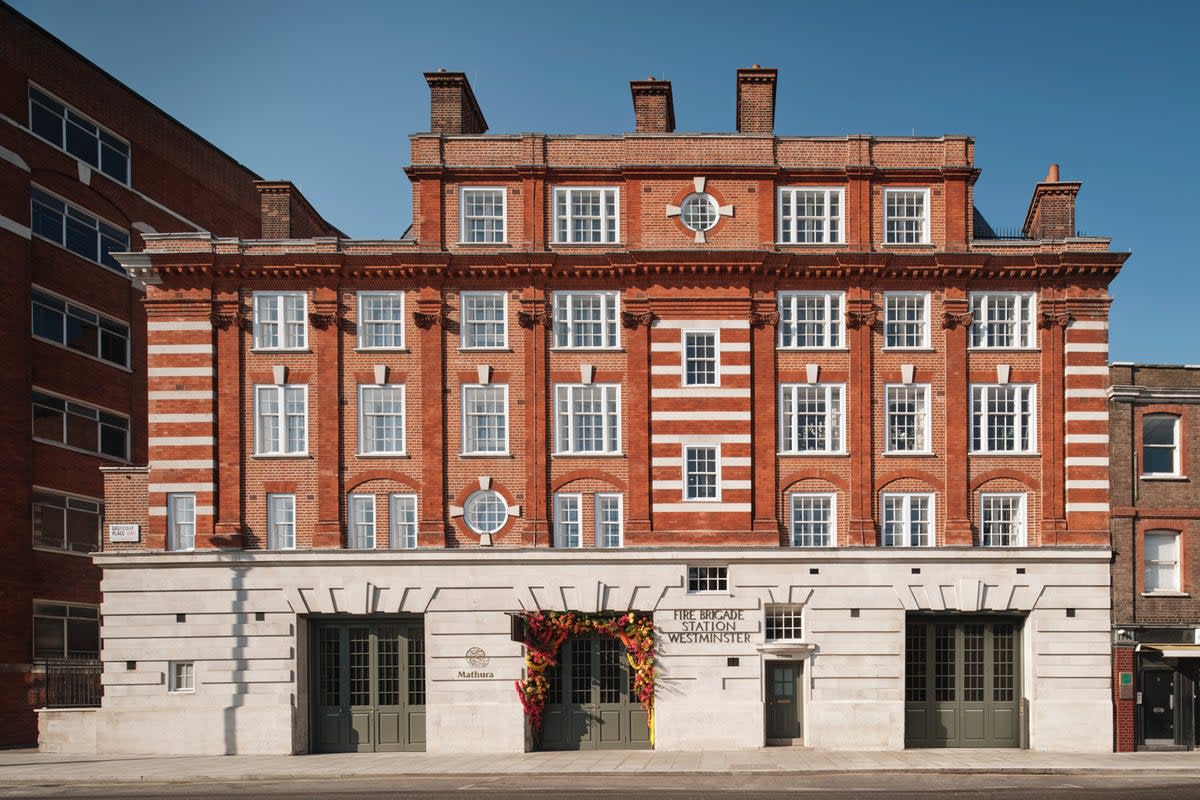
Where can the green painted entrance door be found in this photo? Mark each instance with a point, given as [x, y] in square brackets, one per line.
[784, 715]
[591, 704]
[368, 687]
[961, 682]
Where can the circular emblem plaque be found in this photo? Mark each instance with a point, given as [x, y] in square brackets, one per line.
[477, 658]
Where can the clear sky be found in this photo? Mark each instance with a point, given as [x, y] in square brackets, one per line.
[325, 94]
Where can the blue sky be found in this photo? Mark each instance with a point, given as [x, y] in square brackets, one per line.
[326, 95]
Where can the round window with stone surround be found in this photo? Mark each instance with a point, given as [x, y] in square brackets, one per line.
[485, 512]
[698, 212]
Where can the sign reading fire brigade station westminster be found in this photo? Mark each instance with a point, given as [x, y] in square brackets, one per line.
[708, 626]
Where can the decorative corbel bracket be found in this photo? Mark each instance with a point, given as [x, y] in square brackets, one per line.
[761, 319]
[222, 321]
[427, 319]
[529, 319]
[861, 319]
[1051, 318]
[322, 321]
[951, 320]
[631, 320]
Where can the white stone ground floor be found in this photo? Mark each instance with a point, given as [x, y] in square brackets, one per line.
[246, 622]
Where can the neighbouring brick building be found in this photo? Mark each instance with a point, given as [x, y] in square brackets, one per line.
[1154, 418]
[791, 397]
[87, 167]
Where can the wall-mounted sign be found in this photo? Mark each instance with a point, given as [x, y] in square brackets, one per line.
[1125, 685]
[708, 626]
[477, 658]
[124, 533]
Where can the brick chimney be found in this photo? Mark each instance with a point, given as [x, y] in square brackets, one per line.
[452, 105]
[756, 99]
[653, 106]
[284, 213]
[1051, 212]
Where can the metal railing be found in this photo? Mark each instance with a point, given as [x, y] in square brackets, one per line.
[71, 682]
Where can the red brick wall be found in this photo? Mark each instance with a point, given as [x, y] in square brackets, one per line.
[1124, 711]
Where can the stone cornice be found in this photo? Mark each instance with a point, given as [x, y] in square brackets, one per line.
[260, 262]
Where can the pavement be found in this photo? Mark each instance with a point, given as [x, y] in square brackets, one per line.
[29, 767]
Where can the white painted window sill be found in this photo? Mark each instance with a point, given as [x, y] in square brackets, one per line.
[1163, 477]
[1165, 594]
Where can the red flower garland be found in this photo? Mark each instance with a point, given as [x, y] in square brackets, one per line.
[545, 632]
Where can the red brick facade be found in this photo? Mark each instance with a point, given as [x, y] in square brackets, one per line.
[667, 282]
[1153, 498]
[176, 181]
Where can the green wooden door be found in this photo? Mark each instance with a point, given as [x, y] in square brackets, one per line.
[961, 682]
[591, 704]
[368, 687]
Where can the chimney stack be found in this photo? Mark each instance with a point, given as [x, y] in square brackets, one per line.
[452, 105]
[1051, 212]
[653, 106]
[756, 99]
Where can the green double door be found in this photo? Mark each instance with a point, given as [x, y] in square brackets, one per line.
[368, 686]
[962, 682]
[592, 704]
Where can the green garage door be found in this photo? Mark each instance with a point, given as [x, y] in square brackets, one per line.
[368, 686]
[961, 682]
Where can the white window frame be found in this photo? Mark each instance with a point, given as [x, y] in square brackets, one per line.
[356, 524]
[363, 412]
[832, 331]
[565, 323]
[471, 503]
[281, 323]
[835, 418]
[712, 573]
[685, 360]
[1024, 327]
[463, 218]
[831, 534]
[467, 417]
[783, 616]
[465, 342]
[1176, 573]
[181, 522]
[786, 226]
[403, 539]
[906, 534]
[100, 134]
[364, 324]
[888, 298]
[609, 234]
[925, 216]
[66, 310]
[1021, 520]
[568, 533]
[1022, 429]
[566, 432]
[106, 231]
[923, 445]
[1176, 455]
[280, 417]
[181, 677]
[281, 521]
[686, 489]
[601, 540]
